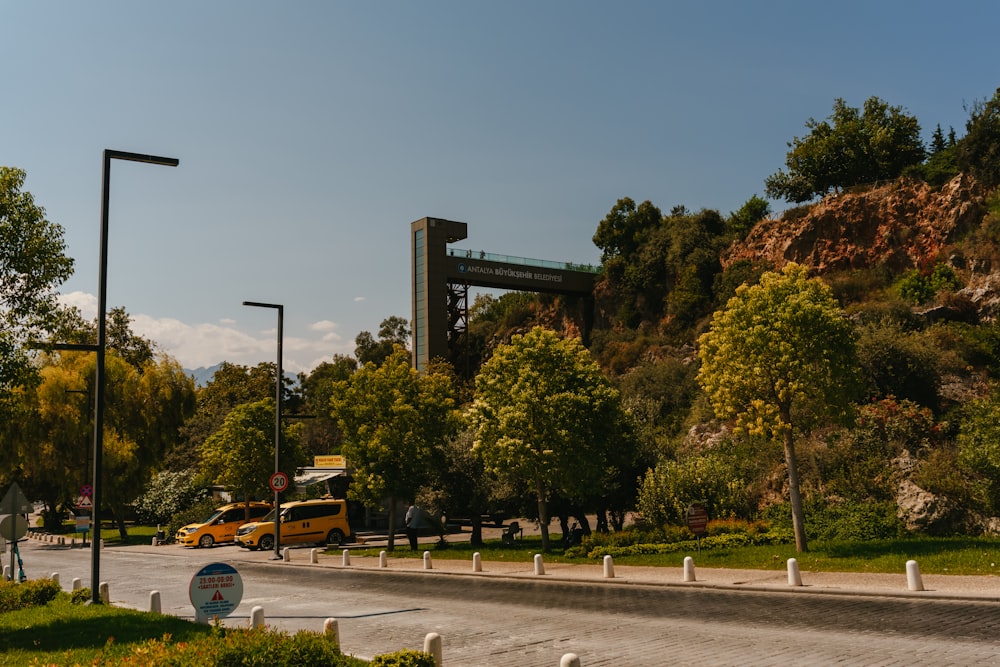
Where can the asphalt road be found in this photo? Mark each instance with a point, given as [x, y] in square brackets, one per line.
[486, 621]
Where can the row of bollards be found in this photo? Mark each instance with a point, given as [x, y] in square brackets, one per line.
[913, 580]
[59, 539]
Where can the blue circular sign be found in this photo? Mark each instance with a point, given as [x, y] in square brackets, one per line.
[216, 590]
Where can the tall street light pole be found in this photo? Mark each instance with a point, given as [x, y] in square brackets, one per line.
[102, 307]
[279, 374]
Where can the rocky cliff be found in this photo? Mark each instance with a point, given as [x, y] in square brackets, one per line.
[901, 225]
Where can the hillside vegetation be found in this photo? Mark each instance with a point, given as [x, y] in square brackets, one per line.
[907, 238]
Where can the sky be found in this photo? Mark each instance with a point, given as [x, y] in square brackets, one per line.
[311, 134]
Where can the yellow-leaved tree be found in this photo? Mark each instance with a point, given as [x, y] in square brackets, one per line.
[778, 359]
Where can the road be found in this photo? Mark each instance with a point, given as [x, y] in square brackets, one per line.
[502, 621]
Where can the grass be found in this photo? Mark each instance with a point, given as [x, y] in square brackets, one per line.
[952, 555]
[61, 633]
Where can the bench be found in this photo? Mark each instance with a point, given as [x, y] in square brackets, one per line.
[512, 531]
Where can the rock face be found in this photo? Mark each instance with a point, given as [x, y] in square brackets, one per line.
[900, 225]
[924, 512]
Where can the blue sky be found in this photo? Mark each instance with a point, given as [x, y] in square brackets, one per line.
[310, 134]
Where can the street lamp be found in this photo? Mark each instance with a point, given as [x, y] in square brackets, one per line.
[277, 420]
[102, 307]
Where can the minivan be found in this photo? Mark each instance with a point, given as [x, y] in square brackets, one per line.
[319, 521]
[221, 526]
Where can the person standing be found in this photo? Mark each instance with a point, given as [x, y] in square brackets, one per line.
[412, 522]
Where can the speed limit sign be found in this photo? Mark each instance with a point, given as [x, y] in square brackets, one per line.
[279, 482]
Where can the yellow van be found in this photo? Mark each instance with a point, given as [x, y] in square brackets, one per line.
[221, 526]
[320, 521]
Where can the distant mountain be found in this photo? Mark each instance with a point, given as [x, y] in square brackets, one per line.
[203, 376]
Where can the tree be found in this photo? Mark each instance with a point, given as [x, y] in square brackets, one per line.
[393, 420]
[231, 385]
[32, 264]
[322, 435]
[979, 149]
[393, 331]
[545, 416]
[852, 147]
[780, 356]
[240, 454]
[753, 211]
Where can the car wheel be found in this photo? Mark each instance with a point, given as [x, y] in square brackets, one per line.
[205, 541]
[335, 537]
[266, 543]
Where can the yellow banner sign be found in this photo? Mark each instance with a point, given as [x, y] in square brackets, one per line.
[330, 461]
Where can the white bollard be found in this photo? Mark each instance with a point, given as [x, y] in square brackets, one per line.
[332, 630]
[477, 562]
[570, 660]
[609, 567]
[77, 584]
[427, 561]
[286, 555]
[347, 557]
[432, 645]
[794, 577]
[257, 617]
[913, 581]
[688, 568]
[102, 543]
[54, 577]
[105, 592]
[6, 572]
[154, 602]
[314, 556]
[383, 560]
[539, 566]
[155, 542]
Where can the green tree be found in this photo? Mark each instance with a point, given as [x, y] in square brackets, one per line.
[979, 149]
[852, 147]
[231, 385]
[780, 356]
[394, 420]
[753, 211]
[546, 417]
[240, 454]
[321, 435]
[32, 264]
[393, 331]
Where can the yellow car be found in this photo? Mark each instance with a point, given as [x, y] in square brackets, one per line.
[320, 521]
[221, 526]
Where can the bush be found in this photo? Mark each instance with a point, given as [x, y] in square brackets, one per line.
[234, 648]
[404, 658]
[847, 521]
[31, 593]
[168, 493]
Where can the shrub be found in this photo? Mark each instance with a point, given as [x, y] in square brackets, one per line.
[233, 648]
[80, 596]
[848, 521]
[404, 658]
[168, 493]
[31, 593]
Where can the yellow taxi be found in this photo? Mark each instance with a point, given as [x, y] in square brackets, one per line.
[319, 521]
[221, 526]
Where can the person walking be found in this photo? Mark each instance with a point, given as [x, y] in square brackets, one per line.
[412, 522]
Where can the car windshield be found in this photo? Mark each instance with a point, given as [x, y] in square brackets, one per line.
[215, 515]
[268, 517]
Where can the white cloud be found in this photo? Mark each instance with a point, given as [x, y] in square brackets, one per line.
[359, 299]
[207, 344]
[86, 303]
